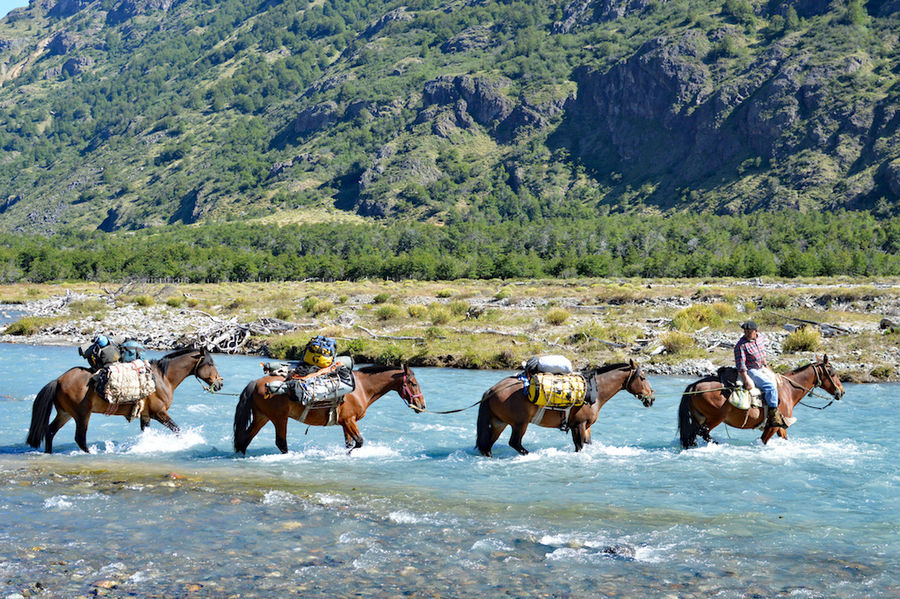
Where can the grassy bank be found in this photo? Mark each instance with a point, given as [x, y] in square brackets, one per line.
[497, 323]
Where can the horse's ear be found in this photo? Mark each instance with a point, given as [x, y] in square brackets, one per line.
[825, 359]
[633, 365]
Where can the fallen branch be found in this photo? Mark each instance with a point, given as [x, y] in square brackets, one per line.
[821, 325]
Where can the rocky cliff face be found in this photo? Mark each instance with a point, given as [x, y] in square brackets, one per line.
[664, 114]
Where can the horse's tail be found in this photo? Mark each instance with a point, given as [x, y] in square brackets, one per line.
[40, 413]
[483, 428]
[243, 418]
[688, 426]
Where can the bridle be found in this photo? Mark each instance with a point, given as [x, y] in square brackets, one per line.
[631, 376]
[406, 391]
[834, 384]
[815, 366]
[206, 387]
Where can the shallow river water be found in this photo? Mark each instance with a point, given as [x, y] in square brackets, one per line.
[418, 512]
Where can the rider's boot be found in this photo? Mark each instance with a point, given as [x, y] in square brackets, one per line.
[774, 419]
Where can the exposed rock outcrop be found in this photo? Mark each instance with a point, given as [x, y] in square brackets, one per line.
[127, 9]
[398, 15]
[315, 118]
[62, 43]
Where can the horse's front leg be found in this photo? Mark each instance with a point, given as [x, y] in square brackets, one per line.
[164, 419]
[352, 437]
[515, 437]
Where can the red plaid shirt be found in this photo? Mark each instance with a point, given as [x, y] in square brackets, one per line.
[749, 354]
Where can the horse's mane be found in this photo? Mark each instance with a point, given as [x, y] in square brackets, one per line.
[375, 369]
[164, 362]
[799, 368]
[606, 368]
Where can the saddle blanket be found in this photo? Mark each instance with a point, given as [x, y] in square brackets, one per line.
[556, 391]
[127, 382]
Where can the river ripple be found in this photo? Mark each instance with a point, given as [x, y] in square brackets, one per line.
[418, 512]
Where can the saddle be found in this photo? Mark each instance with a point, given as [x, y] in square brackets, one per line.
[743, 399]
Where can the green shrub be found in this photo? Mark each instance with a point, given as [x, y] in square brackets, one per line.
[458, 307]
[381, 298]
[144, 300]
[445, 293]
[342, 299]
[309, 303]
[388, 312]
[283, 313]
[316, 306]
[882, 372]
[439, 314]
[696, 317]
[556, 316]
[174, 302]
[777, 301]
[322, 307]
[676, 342]
[417, 310]
[803, 339]
[30, 325]
[433, 332]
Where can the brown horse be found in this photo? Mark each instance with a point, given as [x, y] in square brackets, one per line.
[74, 396]
[704, 407]
[256, 406]
[505, 404]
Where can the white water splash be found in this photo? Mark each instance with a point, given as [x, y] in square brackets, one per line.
[152, 442]
[67, 502]
[279, 498]
[490, 545]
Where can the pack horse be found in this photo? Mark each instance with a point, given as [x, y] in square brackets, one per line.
[507, 404]
[75, 395]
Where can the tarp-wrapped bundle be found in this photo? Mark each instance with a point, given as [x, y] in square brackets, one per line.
[556, 391]
[125, 382]
[327, 387]
[553, 364]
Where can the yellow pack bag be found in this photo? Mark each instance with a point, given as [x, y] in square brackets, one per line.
[556, 390]
[320, 351]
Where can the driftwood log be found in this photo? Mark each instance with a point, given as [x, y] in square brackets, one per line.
[231, 336]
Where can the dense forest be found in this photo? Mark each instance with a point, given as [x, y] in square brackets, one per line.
[493, 118]
[781, 244]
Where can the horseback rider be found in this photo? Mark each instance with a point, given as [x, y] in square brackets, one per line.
[753, 368]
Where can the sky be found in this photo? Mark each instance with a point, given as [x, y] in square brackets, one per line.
[8, 5]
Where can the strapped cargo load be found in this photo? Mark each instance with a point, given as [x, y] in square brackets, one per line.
[556, 391]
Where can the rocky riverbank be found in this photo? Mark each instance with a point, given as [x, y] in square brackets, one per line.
[672, 328]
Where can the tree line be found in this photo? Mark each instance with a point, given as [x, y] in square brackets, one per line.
[787, 244]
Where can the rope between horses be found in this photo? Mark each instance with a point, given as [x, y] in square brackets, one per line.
[453, 411]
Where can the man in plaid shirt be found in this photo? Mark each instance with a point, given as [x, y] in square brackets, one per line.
[750, 360]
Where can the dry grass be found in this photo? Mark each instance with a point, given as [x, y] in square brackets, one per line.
[514, 321]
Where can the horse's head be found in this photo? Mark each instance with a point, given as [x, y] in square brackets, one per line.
[410, 390]
[638, 385]
[826, 377]
[205, 370]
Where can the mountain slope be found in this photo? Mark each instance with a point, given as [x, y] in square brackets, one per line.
[133, 113]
